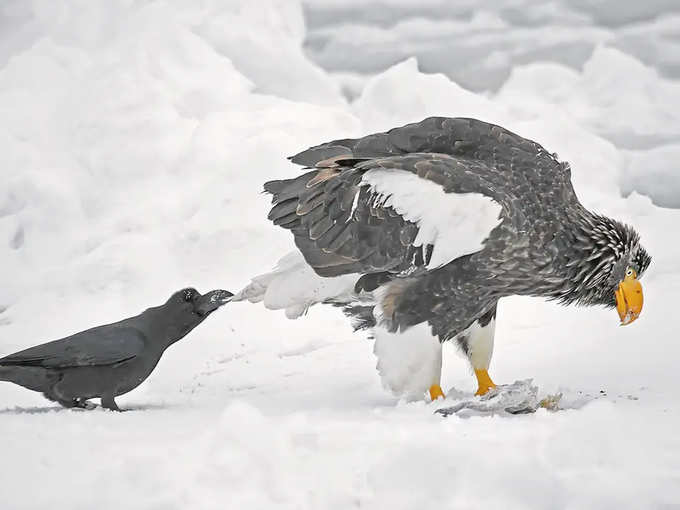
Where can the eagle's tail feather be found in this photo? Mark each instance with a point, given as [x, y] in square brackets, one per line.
[293, 286]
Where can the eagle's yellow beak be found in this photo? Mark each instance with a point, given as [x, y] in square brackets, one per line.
[629, 299]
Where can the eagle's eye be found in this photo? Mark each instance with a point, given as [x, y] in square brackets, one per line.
[631, 272]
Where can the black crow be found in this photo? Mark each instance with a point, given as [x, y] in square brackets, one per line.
[107, 361]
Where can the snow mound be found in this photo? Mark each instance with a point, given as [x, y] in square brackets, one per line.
[615, 95]
[654, 173]
[479, 44]
[403, 94]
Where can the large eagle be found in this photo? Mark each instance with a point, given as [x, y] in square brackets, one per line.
[431, 224]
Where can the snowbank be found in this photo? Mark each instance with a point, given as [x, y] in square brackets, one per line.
[106, 155]
[403, 94]
[479, 44]
[615, 95]
[655, 173]
[620, 99]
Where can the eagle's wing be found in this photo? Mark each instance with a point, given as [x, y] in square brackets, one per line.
[417, 195]
[103, 345]
[394, 214]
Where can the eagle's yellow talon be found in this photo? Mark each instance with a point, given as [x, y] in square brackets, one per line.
[436, 392]
[484, 382]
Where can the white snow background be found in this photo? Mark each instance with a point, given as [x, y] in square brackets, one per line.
[134, 140]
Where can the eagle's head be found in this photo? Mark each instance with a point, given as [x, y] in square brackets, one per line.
[611, 263]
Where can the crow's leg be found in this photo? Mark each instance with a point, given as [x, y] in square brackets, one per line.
[82, 403]
[55, 394]
[108, 402]
[64, 402]
[69, 403]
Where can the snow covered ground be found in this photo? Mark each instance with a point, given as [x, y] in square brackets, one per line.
[135, 137]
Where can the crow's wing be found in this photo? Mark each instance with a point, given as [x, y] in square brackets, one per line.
[103, 345]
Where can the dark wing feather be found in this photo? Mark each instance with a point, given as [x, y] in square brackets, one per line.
[103, 345]
[466, 138]
[341, 227]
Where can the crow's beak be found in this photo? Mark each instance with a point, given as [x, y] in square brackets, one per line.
[212, 300]
[629, 299]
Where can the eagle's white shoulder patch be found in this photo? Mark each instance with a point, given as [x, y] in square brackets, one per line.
[455, 224]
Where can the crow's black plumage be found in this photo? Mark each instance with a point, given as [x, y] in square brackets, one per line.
[107, 361]
[363, 209]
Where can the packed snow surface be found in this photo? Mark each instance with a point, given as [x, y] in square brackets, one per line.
[135, 139]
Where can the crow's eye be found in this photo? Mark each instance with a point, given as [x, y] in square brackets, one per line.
[189, 295]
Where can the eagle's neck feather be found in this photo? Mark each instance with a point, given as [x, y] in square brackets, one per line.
[595, 246]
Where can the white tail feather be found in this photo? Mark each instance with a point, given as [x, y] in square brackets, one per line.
[293, 286]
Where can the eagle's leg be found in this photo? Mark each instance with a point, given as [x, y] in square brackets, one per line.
[484, 382]
[435, 387]
[479, 348]
[436, 392]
